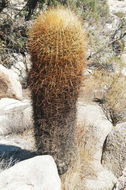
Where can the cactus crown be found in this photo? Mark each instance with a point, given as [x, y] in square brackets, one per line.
[57, 35]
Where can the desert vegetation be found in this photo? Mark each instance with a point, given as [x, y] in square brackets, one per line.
[101, 83]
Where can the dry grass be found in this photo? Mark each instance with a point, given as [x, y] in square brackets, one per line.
[114, 93]
[109, 89]
[5, 164]
[74, 178]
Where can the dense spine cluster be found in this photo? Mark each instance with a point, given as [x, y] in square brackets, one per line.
[57, 47]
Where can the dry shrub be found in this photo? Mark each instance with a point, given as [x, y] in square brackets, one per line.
[108, 89]
[13, 35]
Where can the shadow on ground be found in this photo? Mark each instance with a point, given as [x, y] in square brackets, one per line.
[10, 154]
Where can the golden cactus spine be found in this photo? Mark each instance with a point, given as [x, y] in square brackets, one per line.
[57, 47]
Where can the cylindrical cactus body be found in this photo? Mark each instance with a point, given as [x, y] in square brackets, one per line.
[57, 48]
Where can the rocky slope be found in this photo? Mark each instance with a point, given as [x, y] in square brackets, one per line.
[101, 158]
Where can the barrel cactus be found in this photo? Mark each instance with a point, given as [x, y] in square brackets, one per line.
[57, 48]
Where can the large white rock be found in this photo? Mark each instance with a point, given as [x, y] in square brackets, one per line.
[18, 4]
[20, 64]
[15, 115]
[114, 154]
[117, 6]
[121, 184]
[38, 173]
[96, 128]
[9, 84]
